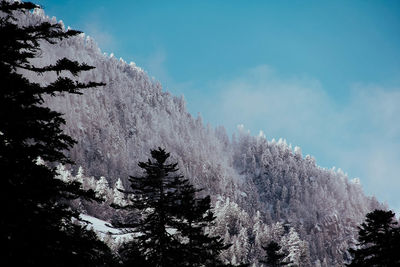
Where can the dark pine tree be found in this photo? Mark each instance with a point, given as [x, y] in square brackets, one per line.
[37, 227]
[170, 221]
[131, 255]
[378, 241]
[195, 213]
[273, 257]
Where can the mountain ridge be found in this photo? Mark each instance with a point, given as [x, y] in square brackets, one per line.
[249, 178]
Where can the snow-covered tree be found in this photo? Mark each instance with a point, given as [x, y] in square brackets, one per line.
[63, 174]
[117, 126]
[103, 190]
[80, 175]
[119, 197]
[297, 249]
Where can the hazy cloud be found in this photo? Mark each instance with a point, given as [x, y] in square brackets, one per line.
[360, 135]
[104, 39]
[156, 66]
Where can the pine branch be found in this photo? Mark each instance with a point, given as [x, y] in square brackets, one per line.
[63, 64]
[9, 7]
[64, 84]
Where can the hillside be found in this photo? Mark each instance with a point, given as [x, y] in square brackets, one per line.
[262, 190]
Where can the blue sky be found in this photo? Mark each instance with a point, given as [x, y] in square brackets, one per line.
[324, 75]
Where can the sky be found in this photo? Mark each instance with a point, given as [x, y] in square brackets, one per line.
[324, 75]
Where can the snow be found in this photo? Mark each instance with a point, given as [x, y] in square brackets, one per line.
[132, 114]
[98, 225]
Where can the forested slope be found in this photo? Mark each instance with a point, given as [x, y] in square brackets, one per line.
[262, 190]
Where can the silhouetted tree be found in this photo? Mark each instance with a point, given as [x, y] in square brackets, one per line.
[131, 255]
[195, 214]
[170, 221]
[37, 227]
[378, 241]
[274, 257]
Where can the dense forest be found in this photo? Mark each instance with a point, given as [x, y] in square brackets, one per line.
[256, 191]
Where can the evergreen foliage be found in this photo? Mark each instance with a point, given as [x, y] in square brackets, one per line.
[274, 257]
[378, 241]
[118, 125]
[172, 221]
[37, 226]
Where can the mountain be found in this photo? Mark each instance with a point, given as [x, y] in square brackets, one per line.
[262, 190]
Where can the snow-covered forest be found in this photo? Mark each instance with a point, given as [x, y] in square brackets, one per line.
[261, 189]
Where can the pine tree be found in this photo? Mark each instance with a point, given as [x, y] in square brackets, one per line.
[298, 252]
[37, 227]
[274, 257]
[102, 188]
[171, 221]
[195, 214]
[118, 195]
[378, 241]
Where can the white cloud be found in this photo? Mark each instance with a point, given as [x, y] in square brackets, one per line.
[155, 64]
[361, 135]
[104, 39]
[261, 99]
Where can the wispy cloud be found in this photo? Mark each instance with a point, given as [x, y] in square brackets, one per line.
[104, 39]
[361, 135]
[262, 100]
[156, 66]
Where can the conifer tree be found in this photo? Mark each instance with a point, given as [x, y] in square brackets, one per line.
[37, 227]
[118, 195]
[195, 213]
[274, 258]
[172, 221]
[378, 241]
